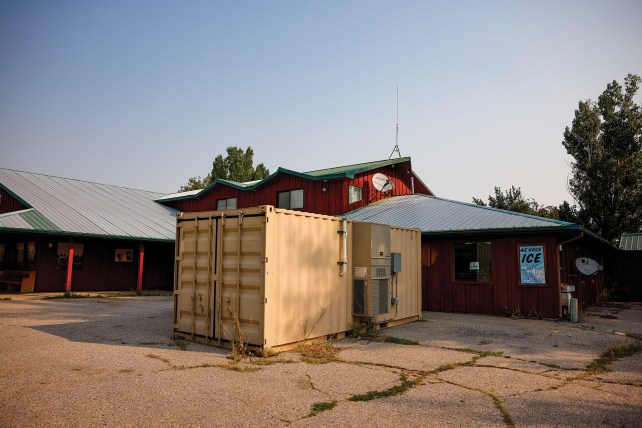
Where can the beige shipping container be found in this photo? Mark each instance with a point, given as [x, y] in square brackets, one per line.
[278, 276]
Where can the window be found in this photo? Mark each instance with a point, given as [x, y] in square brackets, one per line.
[25, 255]
[63, 254]
[226, 204]
[473, 261]
[354, 194]
[292, 199]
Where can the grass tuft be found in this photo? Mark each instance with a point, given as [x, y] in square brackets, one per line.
[66, 295]
[613, 353]
[322, 407]
[405, 385]
[400, 341]
[318, 353]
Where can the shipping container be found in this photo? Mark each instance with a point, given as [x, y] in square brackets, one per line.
[279, 277]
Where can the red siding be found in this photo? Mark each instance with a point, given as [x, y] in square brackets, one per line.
[8, 203]
[99, 271]
[332, 200]
[587, 288]
[503, 294]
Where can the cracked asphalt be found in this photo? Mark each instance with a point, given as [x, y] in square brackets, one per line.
[111, 362]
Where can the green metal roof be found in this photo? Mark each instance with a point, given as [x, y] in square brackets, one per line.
[348, 171]
[351, 170]
[81, 208]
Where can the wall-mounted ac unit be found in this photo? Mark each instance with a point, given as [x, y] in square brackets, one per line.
[371, 264]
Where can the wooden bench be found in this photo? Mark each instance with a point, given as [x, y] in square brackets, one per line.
[18, 280]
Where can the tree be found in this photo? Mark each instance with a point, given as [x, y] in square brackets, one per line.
[513, 200]
[605, 140]
[237, 166]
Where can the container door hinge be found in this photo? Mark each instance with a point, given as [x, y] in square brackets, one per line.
[264, 260]
[264, 220]
[263, 301]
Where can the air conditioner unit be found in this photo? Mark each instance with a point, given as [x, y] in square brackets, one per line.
[371, 264]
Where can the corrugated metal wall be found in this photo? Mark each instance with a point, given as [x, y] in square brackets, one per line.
[408, 243]
[279, 271]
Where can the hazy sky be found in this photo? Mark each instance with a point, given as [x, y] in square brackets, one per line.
[145, 94]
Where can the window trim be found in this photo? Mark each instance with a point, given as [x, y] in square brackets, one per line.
[350, 187]
[227, 202]
[289, 192]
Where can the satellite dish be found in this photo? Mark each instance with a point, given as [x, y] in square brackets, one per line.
[382, 183]
[587, 266]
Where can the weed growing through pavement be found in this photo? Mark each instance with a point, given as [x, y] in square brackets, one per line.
[399, 341]
[405, 385]
[318, 353]
[67, 295]
[304, 324]
[322, 407]
[613, 353]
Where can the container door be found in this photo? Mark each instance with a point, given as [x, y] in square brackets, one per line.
[241, 295]
[195, 277]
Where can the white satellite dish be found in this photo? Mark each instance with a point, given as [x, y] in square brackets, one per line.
[587, 266]
[382, 183]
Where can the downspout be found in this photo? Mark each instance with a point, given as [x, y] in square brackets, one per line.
[344, 247]
[575, 238]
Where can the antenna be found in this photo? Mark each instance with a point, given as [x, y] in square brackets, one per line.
[396, 149]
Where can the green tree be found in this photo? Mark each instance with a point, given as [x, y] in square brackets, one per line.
[237, 166]
[513, 200]
[605, 140]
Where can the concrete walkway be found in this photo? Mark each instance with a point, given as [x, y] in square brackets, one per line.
[111, 362]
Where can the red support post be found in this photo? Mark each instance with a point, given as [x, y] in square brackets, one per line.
[70, 266]
[141, 261]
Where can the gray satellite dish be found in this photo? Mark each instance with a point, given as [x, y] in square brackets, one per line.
[382, 183]
[587, 266]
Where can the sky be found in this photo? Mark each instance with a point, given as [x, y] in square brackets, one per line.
[145, 94]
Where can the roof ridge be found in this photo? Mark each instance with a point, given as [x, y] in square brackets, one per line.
[82, 181]
[356, 164]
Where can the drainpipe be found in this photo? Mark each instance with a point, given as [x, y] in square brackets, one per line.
[141, 261]
[344, 247]
[575, 238]
[70, 266]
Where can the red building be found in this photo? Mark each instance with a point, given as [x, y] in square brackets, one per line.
[61, 234]
[327, 191]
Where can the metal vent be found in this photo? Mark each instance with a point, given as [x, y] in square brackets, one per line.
[358, 297]
[381, 272]
[380, 298]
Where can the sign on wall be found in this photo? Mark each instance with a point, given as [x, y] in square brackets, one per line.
[531, 265]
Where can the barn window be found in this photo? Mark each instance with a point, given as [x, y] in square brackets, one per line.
[473, 261]
[292, 199]
[354, 194]
[226, 204]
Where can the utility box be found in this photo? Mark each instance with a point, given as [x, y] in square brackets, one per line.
[395, 262]
[371, 269]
